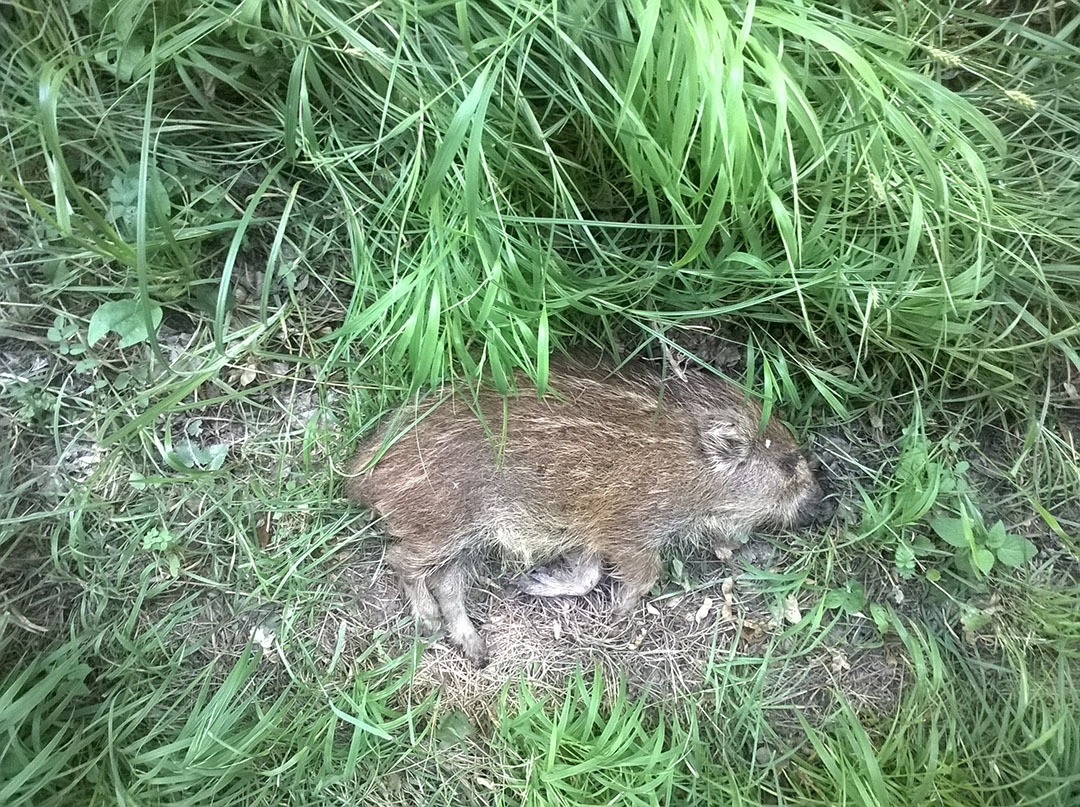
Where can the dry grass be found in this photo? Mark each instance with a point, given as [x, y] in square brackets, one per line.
[669, 652]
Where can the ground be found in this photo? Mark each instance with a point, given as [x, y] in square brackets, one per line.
[233, 236]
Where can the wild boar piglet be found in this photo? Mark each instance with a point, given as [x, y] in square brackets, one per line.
[602, 473]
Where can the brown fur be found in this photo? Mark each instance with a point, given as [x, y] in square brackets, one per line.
[605, 470]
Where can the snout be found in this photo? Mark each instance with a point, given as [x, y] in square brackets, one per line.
[819, 507]
[821, 511]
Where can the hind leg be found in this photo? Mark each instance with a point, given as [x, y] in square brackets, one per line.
[575, 577]
[449, 584]
[413, 578]
[634, 575]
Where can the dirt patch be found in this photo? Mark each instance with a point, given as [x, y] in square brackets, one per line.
[667, 652]
[672, 649]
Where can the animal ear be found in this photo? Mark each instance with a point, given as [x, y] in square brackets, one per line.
[726, 438]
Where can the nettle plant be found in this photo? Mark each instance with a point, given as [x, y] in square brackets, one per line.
[931, 490]
[978, 548]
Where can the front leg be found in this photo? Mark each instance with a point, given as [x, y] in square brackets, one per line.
[725, 540]
[725, 547]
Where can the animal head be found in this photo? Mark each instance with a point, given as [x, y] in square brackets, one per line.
[764, 471]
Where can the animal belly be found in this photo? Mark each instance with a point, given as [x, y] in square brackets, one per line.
[527, 538]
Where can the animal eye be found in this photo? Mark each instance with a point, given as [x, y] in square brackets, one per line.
[787, 465]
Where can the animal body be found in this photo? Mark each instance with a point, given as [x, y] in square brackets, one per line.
[602, 473]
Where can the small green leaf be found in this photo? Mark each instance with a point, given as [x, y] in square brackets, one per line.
[880, 615]
[995, 536]
[455, 728]
[849, 599]
[933, 575]
[953, 531]
[122, 317]
[983, 559]
[188, 454]
[1016, 551]
[215, 455]
[131, 52]
[158, 539]
[174, 564]
[904, 558]
[191, 455]
[964, 564]
[922, 545]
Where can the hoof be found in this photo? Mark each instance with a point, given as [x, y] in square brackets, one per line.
[475, 650]
[428, 625]
[532, 582]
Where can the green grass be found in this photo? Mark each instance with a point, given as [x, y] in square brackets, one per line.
[233, 234]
